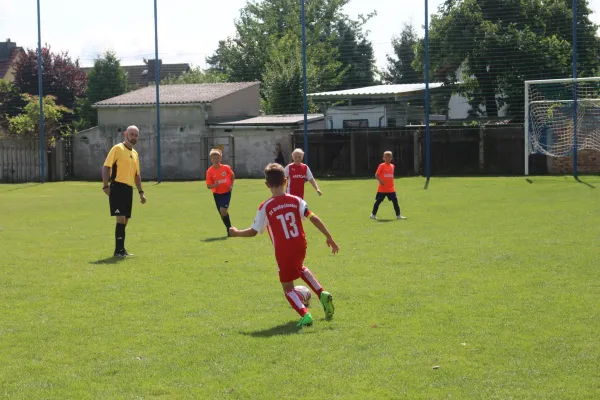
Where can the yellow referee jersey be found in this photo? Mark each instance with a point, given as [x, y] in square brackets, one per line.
[124, 164]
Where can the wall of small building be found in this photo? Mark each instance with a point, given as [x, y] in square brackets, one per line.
[183, 142]
[240, 105]
[253, 148]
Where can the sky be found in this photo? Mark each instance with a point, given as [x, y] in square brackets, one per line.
[188, 30]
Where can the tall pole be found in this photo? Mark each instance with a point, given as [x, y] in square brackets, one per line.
[304, 84]
[575, 172]
[157, 84]
[41, 92]
[427, 133]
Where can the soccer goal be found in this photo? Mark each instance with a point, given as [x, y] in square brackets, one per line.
[562, 117]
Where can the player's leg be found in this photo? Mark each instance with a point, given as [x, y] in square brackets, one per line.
[325, 297]
[378, 199]
[222, 201]
[394, 199]
[288, 272]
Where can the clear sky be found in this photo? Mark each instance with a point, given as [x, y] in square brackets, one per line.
[188, 30]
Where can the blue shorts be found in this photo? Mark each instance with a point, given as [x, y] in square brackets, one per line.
[222, 200]
[391, 196]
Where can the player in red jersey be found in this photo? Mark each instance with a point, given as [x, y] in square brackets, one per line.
[282, 216]
[385, 177]
[297, 173]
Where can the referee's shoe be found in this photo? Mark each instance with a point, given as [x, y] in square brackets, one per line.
[122, 253]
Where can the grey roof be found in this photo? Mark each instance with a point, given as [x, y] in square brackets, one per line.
[276, 120]
[379, 91]
[176, 94]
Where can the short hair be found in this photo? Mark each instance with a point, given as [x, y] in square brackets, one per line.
[274, 175]
[298, 151]
[215, 151]
[387, 152]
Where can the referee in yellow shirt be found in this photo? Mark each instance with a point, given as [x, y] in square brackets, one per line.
[122, 166]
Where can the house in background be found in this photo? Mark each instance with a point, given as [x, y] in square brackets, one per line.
[186, 112]
[9, 55]
[254, 139]
[139, 76]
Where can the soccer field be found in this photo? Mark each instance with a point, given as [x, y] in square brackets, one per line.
[490, 290]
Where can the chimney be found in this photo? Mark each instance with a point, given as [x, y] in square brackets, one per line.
[152, 68]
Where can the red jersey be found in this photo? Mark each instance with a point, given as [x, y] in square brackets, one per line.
[223, 175]
[282, 217]
[385, 172]
[297, 175]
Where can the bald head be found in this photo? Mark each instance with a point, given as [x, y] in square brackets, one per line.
[131, 135]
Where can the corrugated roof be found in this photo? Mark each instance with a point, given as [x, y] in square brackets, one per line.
[375, 91]
[280, 119]
[176, 94]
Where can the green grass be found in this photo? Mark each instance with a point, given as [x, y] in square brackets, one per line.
[494, 280]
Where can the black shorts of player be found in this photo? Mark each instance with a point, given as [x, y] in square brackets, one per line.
[391, 196]
[120, 199]
[222, 199]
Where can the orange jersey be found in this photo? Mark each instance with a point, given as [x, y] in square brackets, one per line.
[385, 172]
[222, 175]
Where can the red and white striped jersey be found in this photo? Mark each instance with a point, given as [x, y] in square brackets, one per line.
[297, 175]
[282, 217]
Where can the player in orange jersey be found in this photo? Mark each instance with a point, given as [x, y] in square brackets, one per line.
[282, 216]
[219, 179]
[385, 177]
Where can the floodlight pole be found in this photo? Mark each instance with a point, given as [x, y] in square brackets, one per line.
[304, 83]
[427, 131]
[575, 172]
[157, 84]
[41, 93]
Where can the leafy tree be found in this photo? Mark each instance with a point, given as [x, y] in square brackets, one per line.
[497, 45]
[196, 75]
[399, 69]
[105, 80]
[61, 76]
[11, 102]
[28, 122]
[264, 28]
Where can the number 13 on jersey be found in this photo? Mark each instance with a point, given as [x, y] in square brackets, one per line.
[288, 223]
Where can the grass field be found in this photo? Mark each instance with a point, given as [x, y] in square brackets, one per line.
[496, 281]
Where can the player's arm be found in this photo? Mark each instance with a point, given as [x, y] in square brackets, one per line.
[210, 183]
[321, 227]
[232, 179]
[235, 232]
[138, 184]
[108, 163]
[312, 181]
[377, 176]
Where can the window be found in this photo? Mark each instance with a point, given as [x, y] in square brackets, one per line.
[356, 123]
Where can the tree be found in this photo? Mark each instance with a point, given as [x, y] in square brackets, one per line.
[497, 45]
[196, 75]
[11, 102]
[264, 27]
[61, 77]
[399, 65]
[28, 122]
[105, 80]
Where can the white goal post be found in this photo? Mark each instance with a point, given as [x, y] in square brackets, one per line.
[562, 117]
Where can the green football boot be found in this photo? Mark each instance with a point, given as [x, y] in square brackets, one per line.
[307, 320]
[327, 302]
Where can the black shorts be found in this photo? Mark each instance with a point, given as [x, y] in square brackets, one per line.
[120, 199]
[391, 196]
[222, 199]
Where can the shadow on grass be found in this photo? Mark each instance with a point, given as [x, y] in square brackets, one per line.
[108, 260]
[426, 184]
[585, 183]
[25, 186]
[385, 220]
[285, 329]
[215, 239]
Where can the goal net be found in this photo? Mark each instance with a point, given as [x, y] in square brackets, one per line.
[562, 116]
